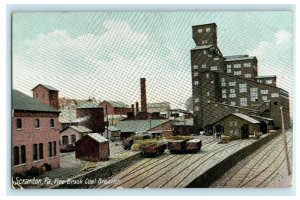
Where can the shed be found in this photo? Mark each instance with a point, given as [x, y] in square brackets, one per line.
[71, 134]
[92, 147]
[237, 125]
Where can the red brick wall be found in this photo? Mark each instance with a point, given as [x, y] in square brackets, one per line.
[113, 111]
[28, 136]
[121, 111]
[68, 132]
[95, 121]
[166, 128]
[45, 96]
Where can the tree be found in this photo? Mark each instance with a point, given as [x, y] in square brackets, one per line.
[189, 104]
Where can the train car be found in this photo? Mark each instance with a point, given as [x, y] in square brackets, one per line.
[176, 146]
[153, 150]
[193, 146]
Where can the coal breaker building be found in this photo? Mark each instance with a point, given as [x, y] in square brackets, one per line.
[230, 84]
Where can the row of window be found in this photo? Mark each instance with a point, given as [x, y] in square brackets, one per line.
[65, 139]
[238, 65]
[268, 81]
[203, 66]
[200, 30]
[37, 152]
[36, 123]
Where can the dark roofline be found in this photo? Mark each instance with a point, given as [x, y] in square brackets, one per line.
[234, 116]
[205, 24]
[48, 87]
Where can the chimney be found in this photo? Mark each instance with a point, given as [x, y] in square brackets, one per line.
[132, 108]
[137, 108]
[143, 95]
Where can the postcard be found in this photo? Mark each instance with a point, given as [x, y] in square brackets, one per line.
[159, 99]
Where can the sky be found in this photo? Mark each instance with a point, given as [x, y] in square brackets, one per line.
[104, 54]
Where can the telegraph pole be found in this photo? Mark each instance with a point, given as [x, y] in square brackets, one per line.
[285, 143]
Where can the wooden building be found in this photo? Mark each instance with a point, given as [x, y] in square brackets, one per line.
[72, 134]
[237, 126]
[92, 147]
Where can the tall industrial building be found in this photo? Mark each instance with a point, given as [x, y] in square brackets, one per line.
[230, 84]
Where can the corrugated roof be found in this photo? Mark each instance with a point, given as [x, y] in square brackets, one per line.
[139, 125]
[89, 104]
[81, 129]
[113, 128]
[118, 104]
[97, 137]
[260, 117]
[21, 101]
[245, 117]
[238, 57]
[202, 47]
[157, 105]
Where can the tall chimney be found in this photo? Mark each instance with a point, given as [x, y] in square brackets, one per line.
[132, 108]
[137, 108]
[143, 95]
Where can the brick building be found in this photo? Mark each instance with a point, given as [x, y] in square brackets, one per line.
[230, 84]
[47, 95]
[35, 133]
[71, 134]
[115, 108]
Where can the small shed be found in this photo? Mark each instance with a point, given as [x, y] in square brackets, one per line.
[237, 125]
[92, 147]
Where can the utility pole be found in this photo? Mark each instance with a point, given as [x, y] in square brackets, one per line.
[285, 142]
[106, 122]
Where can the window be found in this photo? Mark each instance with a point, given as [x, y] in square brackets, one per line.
[203, 66]
[264, 98]
[34, 152]
[204, 52]
[36, 123]
[197, 108]
[16, 156]
[207, 29]
[216, 58]
[224, 96]
[207, 75]
[200, 30]
[222, 80]
[195, 66]
[73, 138]
[232, 95]
[207, 93]
[232, 83]
[49, 149]
[209, 55]
[237, 72]
[54, 148]
[247, 75]
[196, 83]
[253, 94]
[259, 81]
[197, 100]
[228, 66]
[224, 91]
[274, 95]
[23, 154]
[212, 81]
[232, 103]
[247, 64]
[243, 87]
[243, 102]
[204, 41]
[195, 74]
[52, 123]
[268, 81]
[65, 140]
[275, 103]
[237, 66]
[223, 84]
[19, 123]
[214, 68]
[228, 70]
[41, 151]
[264, 91]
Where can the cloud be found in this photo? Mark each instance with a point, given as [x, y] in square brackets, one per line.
[108, 65]
[282, 37]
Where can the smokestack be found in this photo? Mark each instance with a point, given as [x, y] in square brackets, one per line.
[143, 95]
[132, 108]
[137, 108]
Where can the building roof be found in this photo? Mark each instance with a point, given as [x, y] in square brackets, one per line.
[202, 47]
[21, 101]
[238, 57]
[118, 104]
[270, 76]
[113, 128]
[205, 24]
[97, 137]
[156, 105]
[81, 129]
[260, 117]
[89, 104]
[48, 87]
[245, 117]
[139, 125]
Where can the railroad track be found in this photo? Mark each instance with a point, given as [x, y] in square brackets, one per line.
[156, 172]
[249, 171]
